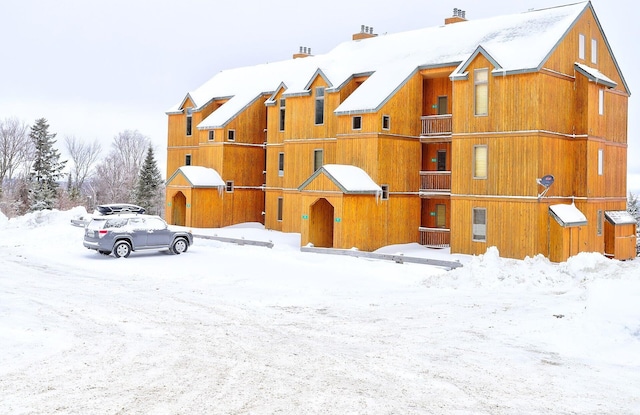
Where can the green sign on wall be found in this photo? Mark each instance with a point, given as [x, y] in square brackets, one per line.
[338, 219]
[305, 216]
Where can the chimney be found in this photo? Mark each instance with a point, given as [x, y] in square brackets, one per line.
[303, 53]
[365, 33]
[459, 15]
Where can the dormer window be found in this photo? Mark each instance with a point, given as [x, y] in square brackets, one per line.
[189, 112]
[481, 84]
[319, 105]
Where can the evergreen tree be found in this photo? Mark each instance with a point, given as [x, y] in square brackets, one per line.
[47, 168]
[149, 189]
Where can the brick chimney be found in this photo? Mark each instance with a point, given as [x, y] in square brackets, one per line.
[459, 15]
[303, 53]
[365, 33]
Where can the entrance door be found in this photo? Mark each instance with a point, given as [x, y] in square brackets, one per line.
[321, 224]
[179, 209]
[443, 105]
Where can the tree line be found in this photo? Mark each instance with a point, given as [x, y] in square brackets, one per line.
[34, 177]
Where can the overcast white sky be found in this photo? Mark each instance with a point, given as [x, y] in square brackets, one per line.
[95, 68]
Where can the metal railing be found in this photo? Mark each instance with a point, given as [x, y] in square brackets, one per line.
[435, 181]
[436, 125]
[435, 237]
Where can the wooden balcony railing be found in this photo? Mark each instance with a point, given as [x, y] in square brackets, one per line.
[435, 181]
[435, 237]
[436, 125]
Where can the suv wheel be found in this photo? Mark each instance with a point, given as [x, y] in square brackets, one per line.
[179, 246]
[121, 249]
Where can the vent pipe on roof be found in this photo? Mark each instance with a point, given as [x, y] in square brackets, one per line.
[365, 33]
[459, 15]
[303, 52]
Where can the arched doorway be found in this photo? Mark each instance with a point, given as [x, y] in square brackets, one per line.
[179, 209]
[321, 224]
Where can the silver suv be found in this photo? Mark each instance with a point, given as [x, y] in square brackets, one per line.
[121, 234]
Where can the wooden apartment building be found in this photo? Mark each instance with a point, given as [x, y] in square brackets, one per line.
[509, 132]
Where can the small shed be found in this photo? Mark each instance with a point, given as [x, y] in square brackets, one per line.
[620, 234]
[565, 231]
[340, 208]
[194, 197]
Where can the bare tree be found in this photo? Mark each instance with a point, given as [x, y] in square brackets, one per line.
[116, 176]
[83, 155]
[15, 148]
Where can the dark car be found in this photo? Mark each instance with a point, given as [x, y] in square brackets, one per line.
[121, 234]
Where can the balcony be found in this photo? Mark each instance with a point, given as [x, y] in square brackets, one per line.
[435, 237]
[436, 126]
[435, 182]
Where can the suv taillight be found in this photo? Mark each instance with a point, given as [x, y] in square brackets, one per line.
[102, 232]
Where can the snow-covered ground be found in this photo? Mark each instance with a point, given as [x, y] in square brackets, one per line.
[228, 329]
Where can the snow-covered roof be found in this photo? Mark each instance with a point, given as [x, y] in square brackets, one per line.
[568, 215]
[349, 179]
[619, 217]
[515, 43]
[595, 75]
[199, 176]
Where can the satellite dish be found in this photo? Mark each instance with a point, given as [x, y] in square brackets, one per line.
[547, 180]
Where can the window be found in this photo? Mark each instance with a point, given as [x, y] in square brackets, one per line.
[481, 83]
[319, 105]
[594, 51]
[279, 209]
[479, 231]
[231, 135]
[318, 159]
[280, 164]
[600, 161]
[480, 159]
[187, 160]
[385, 192]
[581, 46]
[212, 135]
[189, 120]
[229, 186]
[386, 122]
[356, 122]
[601, 101]
[441, 216]
[282, 107]
[599, 223]
[442, 160]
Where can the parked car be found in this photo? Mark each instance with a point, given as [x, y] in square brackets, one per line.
[113, 208]
[124, 233]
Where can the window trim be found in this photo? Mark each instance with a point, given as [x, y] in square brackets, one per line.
[480, 236]
[231, 135]
[385, 192]
[280, 209]
[319, 106]
[188, 159]
[581, 46]
[189, 126]
[228, 186]
[386, 122]
[282, 118]
[474, 166]
[600, 101]
[281, 164]
[356, 122]
[480, 85]
[594, 50]
[212, 135]
[600, 161]
[315, 158]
